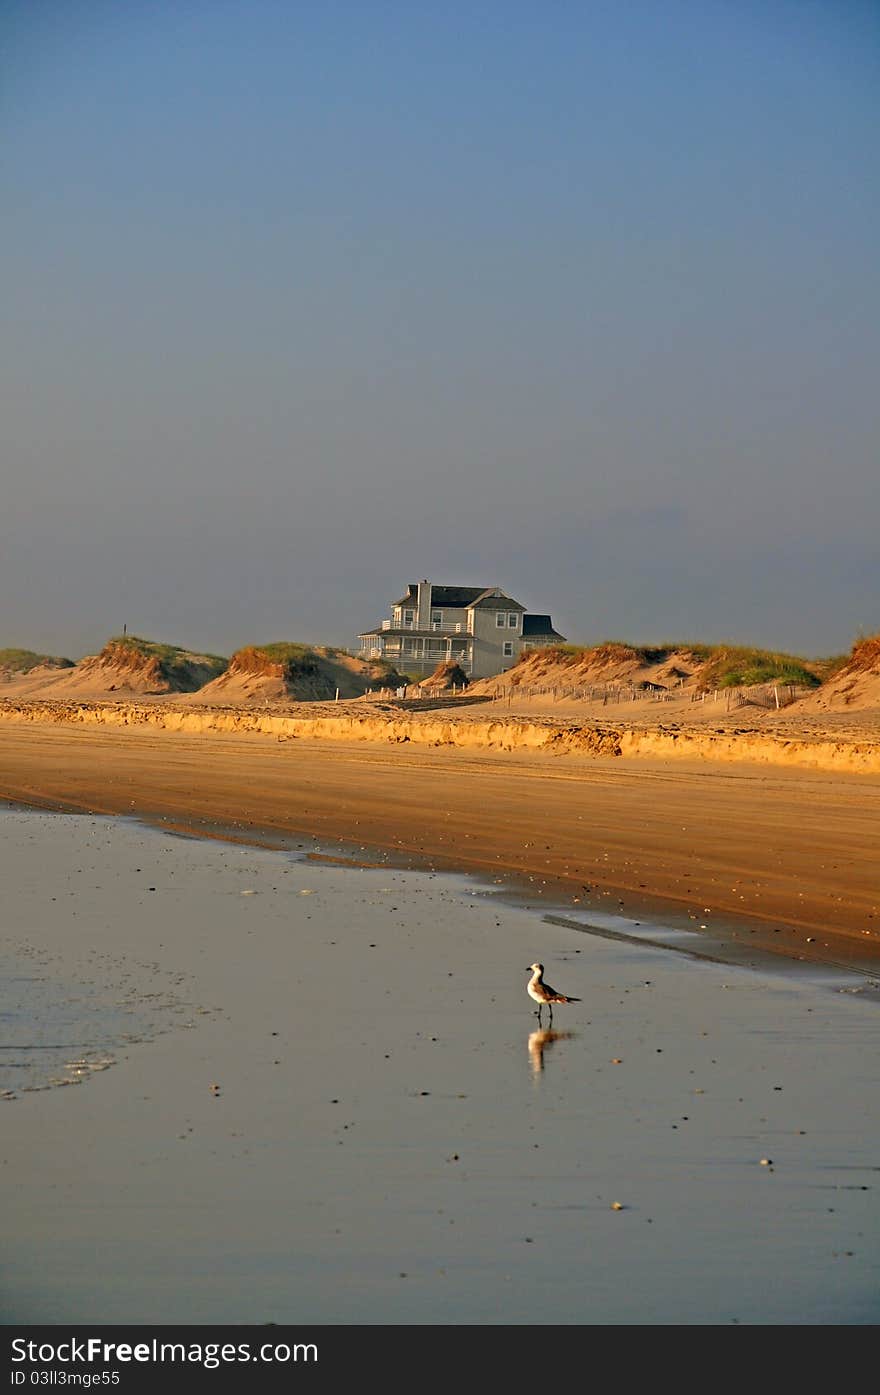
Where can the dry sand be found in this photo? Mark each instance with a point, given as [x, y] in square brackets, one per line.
[333, 1106]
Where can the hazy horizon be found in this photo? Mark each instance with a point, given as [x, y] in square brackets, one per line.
[306, 303]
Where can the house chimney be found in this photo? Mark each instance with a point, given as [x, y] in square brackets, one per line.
[423, 614]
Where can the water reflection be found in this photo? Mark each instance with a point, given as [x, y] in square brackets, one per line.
[538, 1043]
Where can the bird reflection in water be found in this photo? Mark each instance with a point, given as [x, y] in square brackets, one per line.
[538, 1043]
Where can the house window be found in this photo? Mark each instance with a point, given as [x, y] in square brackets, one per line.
[499, 619]
[408, 617]
[436, 617]
[511, 620]
[508, 649]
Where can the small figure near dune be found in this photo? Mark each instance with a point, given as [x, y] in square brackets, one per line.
[541, 992]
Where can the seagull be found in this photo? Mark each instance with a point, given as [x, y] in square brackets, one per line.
[541, 992]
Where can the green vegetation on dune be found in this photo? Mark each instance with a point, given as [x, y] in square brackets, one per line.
[166, 653]
[737, 666]
[573, 653]
[606, 651]
[557, 651]
[287, 651]
[314, 672]
[180, 667]
[292, 651]
[721, 665]
[701, 652]
[23, 660]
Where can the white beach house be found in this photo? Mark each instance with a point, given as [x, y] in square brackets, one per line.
[480, 628]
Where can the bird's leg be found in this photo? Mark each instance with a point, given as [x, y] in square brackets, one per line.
[538, 1011]
[550, 1006]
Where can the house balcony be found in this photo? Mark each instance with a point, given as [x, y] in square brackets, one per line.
[420, 653]
[442, 627]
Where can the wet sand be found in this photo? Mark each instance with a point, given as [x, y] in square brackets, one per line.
[782, 859]
[340, 1110]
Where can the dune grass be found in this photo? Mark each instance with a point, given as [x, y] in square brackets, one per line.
[739, 666]
[722, 665]
[287, 651]
[23, 660]
[299, 660]
[172, 659]
[606, 651]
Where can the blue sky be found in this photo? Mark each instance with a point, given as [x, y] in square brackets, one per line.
[306, 301]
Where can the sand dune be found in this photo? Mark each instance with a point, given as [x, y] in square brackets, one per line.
[601, 666]
[856, 686]
[42, 678]
[125, 666]
[692, 686]
[645, 685]
[259, 676]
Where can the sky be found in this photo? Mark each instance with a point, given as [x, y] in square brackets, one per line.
[305, 301]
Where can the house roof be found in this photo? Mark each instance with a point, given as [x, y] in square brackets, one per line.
[456, 597]
[460, 597]
[535, 626]
[489, 600]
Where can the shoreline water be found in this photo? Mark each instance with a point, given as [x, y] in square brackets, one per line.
[354, 1118]
[653, 921]
[653, 926]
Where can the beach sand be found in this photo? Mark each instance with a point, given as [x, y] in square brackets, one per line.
[782, 858]
[331, 1104]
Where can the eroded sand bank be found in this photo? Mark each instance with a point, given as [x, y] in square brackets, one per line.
[824, 745]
